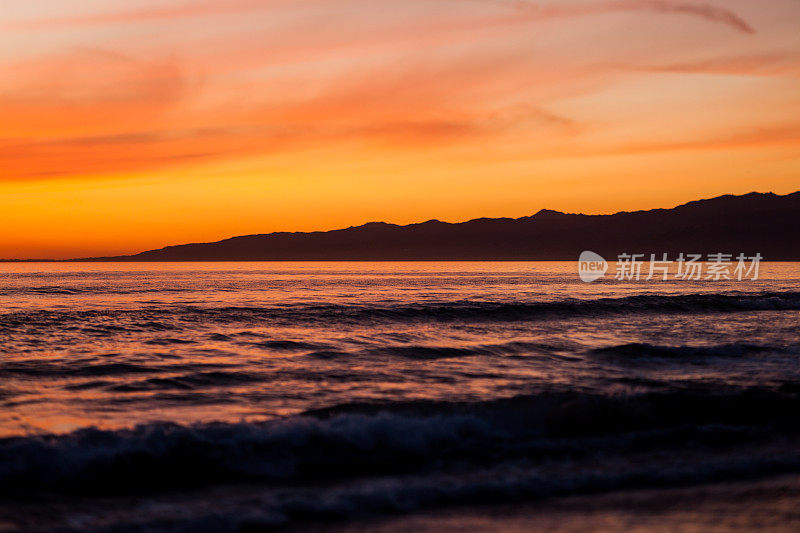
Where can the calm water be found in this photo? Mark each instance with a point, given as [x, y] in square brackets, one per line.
[229, 395]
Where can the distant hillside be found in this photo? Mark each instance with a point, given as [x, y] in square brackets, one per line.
[755, 222]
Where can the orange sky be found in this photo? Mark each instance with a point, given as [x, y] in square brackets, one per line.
[132, 124]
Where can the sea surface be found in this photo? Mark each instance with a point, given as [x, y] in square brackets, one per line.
[395, 397]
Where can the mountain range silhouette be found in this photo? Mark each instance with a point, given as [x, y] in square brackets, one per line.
[764, 223]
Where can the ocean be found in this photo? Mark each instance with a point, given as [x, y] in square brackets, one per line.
[395, 397]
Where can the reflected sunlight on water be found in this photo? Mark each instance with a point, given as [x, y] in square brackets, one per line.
[409, 386]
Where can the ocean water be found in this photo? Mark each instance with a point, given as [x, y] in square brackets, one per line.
[389, 396]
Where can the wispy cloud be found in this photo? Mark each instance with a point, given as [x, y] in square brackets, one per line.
[766, 64]
[705, 11]
[166, 11]
[785, 135]
[205, 8]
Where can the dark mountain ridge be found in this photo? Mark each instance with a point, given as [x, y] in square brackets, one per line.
[766, 223]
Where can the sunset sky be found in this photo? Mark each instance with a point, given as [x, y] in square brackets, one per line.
[132, 124]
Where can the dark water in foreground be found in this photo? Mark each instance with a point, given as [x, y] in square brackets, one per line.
[239, 396]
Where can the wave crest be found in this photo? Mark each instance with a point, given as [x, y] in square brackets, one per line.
[366, 439]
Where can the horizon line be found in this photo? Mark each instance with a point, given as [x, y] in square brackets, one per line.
[540, 211]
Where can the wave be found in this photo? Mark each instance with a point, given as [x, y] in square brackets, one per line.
[288, 345]
[471, 310]
[636, 350]
[268, 509]
[352, 441]
[60, 290]
[36, 368]
[193, 381]
[427, 352]
[164, 317]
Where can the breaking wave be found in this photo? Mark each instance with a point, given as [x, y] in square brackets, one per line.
[356, 440]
